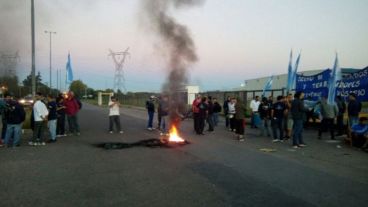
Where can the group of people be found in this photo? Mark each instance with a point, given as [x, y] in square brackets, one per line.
[48, 112]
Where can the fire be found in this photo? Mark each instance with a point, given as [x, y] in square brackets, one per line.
[174, 137]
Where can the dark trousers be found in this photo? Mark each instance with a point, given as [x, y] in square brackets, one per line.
[277, 124]
[158, 120]
[196, 122]
[210, 122]
[298, 132]
[327, 124]
[150, 119]
[340, 124]
[227, 121]
[39, 127]
[60, 127]
[3, 131]
[116, 120]
[73, 123]
[201, 121]
[239, 126]
[232, 124]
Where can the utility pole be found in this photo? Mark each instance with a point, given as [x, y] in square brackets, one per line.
[119, 59]
[33, 72]
[51, 33]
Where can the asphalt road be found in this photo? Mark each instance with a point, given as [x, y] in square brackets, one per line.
[214, 170]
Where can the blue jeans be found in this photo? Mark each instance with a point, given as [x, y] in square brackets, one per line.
[150, 119]
[298, 132]
[215, 118]
[353, 120]
[52, 128]
[164, 124]
[12, 136]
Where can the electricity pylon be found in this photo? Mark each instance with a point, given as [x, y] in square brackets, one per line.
[119, 59]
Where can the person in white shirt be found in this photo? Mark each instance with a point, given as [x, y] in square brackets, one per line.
[254, 105]
[40, 114]
[114, 115]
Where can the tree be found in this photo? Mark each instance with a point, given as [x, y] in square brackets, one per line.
[10, 83]
[40, 87]
[78, 87]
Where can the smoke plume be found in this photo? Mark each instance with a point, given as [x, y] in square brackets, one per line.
[177, 43]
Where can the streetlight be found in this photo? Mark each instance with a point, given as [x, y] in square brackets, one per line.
[50, 32]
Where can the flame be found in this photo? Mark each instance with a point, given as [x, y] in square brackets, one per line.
[174, 137]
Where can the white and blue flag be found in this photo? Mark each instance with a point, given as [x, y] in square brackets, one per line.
[69, 71]
[267, 86]
[293, 80]
[290, 73]
[334, 77]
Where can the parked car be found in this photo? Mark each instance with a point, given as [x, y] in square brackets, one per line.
[26, 101]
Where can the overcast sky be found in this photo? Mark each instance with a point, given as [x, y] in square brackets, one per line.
[235, 39]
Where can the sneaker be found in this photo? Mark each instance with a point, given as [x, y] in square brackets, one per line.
[275, 140]
[149, 128]
[302, 145]
[241, 139]
[295, 147]
[110, 132]
[43, 143]
[59, 135]
[121, 132]
[64, 135]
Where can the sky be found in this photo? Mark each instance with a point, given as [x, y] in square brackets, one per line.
[235, 39]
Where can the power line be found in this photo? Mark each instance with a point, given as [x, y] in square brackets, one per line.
[119, 59]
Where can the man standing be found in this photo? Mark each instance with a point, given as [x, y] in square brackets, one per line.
[265, 112]
[354, 108]
[298, 111]
[216, 111]
[52, 118]
[340, 116]
[288, 119]
[195, 110]
[15, 116]
[150, 106]
[40, 114]
[277, 118]
[114, 115]
[329, 113]
[164, 104]
[71, 110]
[226, 111]
[60, 129]
[254, 106]
[203, 113]
[210, 114]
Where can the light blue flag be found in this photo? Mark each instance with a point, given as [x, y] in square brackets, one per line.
[293, 80]
[267, 86]
[69, 71]
[290, 73]
[335, 76]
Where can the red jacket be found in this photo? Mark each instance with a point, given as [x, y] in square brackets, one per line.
[72, 106]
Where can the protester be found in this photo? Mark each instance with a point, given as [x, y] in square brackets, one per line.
[2, 108]
[71, 110]
[159, 113]
[60, 128]
[277, 118]
[226, 111]
[288, 119]
[329, 112]
[254, 106]
[203, 113]
[195, 110]
[359, 134]
[52, 117]
[216, 111]
[340, 116]
[265, 112]
[8, 98]
[298, 113]
[40, 114]
[150, 106]
[210, 114]
[231, 114]
[240, 109]
[354, 108]
[114, 115]
[164, 112]
[15, 116]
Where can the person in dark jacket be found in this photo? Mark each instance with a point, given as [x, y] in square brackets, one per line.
[210, 114]
[264, 110]
[216, 111]
[354, 108]
[277, 118]
[226, 111]
[340, 116]
[15, 116]
[52, 117]
[298, 111]
[240, 109]
[202, 115]
[60, 128]
[150, 106]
